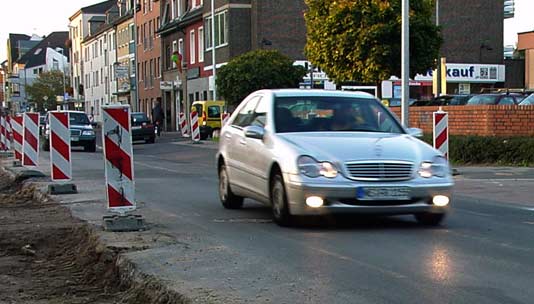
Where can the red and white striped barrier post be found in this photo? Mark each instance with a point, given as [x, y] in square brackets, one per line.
[9, 133]
[18, 131]
[195, 131]
[183, 124]
[441, 132]
[224, 118]
[118, 158]
[30, 145]
[2, 133]
[60, 155]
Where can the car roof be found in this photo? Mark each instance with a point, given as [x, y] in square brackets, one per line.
[318, 93]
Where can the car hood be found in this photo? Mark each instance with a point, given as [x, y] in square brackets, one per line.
[353, 146]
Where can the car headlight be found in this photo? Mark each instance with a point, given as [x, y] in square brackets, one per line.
[438, 167]
[312, 168]
[88, 133]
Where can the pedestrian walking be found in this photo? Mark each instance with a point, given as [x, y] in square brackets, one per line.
[157, 117]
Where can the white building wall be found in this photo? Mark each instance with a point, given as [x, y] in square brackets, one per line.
[99, 78]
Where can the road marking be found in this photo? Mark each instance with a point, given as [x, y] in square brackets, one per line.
[476, 213]
[159, 168]
[528, 223]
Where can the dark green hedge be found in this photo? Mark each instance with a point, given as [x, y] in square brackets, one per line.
[505, 151]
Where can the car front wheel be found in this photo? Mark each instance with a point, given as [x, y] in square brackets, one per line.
[228, 199]
[430, 219]
[279, 204]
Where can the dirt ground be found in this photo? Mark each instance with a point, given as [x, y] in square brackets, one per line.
[47, 256]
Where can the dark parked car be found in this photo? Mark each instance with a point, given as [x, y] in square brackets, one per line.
[450, 100]
[142, 128]
[396, 102]
[494, 99]
[81, 132]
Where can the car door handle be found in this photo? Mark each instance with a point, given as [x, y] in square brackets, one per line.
[227, 136]
[243, 141]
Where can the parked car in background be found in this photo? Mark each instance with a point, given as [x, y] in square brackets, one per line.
[42, 123]
[396, 102]
[494, 99]
[310, 152]
[81, 132]
[209, 116]
[450, 100]
[142, 128]
[529, 101]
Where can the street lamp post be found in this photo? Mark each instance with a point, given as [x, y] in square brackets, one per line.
[405, 63]
[63, 71]
[213, 61]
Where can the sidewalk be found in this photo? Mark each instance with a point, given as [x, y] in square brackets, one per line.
[507, 185]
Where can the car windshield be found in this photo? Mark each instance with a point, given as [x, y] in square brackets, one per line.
[78, 119]
[316, 114]
[483, 100]
[529, 101]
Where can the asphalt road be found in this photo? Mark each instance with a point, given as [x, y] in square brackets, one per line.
[483, 253]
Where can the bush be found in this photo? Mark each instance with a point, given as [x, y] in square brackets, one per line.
[504, 151]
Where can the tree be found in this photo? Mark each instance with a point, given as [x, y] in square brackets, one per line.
[49, 84]
[360, 40]
[255, 70]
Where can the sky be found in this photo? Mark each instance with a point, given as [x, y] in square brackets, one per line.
[42, 17]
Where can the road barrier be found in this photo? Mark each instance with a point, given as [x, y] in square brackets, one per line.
[9, 133]
[224, 118]
[3, 140]
[60, 154]
[183, 124]
[441, 132]
[118, 157]
[195, 131]
[18, 131]
[30, 146]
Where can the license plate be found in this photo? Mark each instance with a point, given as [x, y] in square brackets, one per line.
[74, 138]
[383, 193]
[136, 127]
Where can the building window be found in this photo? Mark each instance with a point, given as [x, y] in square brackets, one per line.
[201, 44]
[158, 67]
[145, 6]
[192, 47]
[221, 30]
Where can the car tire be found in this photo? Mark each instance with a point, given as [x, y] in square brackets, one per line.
[228, 199]
[279, 204]
[46, 145]
[430, 219]
[90, 147]
[203, 136]
[151, 140]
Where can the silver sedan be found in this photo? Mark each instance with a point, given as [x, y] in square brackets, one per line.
[312, 152]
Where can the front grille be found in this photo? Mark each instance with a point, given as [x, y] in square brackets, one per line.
[380, 171]
[75, 132]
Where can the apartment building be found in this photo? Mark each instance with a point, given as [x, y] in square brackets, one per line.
[147, 20]
[126, 47]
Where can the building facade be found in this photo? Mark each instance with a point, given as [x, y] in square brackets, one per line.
[126, 47]
[78, 31]
[526, 44]
[147, 20]
[99, 58]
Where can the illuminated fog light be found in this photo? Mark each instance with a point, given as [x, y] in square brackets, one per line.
[440, 200]
[314, 201]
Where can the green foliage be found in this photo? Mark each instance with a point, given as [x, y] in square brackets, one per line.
[256, 70]
[360, 40]
[472, 150]
[49, 84]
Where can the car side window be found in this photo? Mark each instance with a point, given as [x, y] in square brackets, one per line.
[246, 115]
[260, 113]
[507, 100]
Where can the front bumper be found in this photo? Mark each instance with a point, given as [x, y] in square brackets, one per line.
[143, 134]
[340, 197]
[83, 140]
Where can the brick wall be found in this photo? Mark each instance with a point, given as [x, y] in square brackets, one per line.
[477, 120]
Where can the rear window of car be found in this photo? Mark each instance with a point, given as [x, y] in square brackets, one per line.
[214, 112]
[78, 119]
[139, 117]
[483, 100]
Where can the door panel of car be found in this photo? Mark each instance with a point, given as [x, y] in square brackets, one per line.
[258, 157]
[235, 143]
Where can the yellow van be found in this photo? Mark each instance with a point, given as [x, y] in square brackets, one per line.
[209, 116]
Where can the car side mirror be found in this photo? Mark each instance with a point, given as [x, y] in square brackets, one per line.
[415, 132]
[254, 132]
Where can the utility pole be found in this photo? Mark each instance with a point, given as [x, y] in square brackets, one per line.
[213, 61]
[405, 62]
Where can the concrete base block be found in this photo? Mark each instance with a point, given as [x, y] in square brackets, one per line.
[6, 154]
[29, 173]
[124, 223]
[55, 189]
